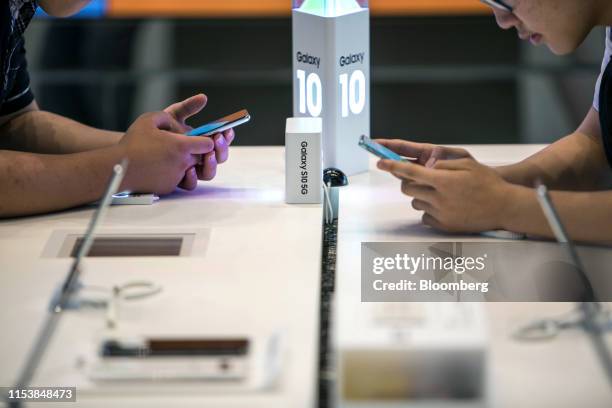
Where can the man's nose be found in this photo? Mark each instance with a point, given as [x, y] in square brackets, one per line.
[505, 20]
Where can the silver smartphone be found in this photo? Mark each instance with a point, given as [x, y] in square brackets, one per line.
[378, 150]
[221, 125]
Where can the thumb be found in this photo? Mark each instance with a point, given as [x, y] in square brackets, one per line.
[187, 108]
[198, 144]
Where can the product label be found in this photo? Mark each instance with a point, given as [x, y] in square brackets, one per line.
[352, 59]
[309, 59]
[303, 161]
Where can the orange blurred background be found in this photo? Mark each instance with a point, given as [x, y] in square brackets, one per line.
[248, 8]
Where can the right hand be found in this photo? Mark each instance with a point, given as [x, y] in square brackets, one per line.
[182, 111]
[158, 156]
[424, 154]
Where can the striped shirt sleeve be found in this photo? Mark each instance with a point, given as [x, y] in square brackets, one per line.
[604, 64]
[20, 95]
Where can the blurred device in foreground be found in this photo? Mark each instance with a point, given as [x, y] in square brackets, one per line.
[412, 355]
[210, 364]
[126, 198]
[172, 359]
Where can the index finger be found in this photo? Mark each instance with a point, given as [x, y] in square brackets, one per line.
[409, 171]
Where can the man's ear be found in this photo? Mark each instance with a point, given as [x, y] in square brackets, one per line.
[62, 8]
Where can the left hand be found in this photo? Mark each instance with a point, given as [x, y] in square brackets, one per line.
[458, 195]
[181, 111]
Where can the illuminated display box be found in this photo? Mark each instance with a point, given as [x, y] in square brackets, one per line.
[331, 76]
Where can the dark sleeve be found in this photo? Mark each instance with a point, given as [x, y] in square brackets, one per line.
[20, 95]
[605, 111]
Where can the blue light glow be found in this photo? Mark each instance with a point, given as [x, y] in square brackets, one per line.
[330, 8]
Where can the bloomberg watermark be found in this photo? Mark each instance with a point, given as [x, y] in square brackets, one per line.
[480, 272]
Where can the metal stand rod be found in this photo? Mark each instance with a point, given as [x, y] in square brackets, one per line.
[596, 331]
[68, 288]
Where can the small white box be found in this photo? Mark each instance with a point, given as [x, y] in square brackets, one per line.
[303, 161]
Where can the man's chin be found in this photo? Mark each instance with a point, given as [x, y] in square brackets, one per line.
[560, 50]
[567, 45]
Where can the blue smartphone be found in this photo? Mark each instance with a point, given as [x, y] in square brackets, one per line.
[378, 150]
[221, 125]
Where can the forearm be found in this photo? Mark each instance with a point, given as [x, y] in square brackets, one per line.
[586, 215]
[576, 162]
[36, 183]
[44, 132]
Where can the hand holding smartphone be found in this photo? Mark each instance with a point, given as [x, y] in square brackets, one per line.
[221, 125]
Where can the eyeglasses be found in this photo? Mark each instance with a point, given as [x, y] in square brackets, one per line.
[499, 4]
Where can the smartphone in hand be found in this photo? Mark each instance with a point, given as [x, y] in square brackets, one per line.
[378, 150]
[221, 125]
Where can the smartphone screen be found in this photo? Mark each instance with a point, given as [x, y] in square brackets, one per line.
[378, 150]
[222, 124]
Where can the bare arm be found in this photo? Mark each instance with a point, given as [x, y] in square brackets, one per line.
[586, 215]
[51, 162]
[32, 183]
[36, 131]
[60, 168]
[462, 195]
[458, 194]
[35, 183]
[576, 162]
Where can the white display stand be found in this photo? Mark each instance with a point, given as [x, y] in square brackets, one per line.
[331, 80]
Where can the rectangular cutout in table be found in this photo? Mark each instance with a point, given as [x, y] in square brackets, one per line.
[126, 245]
[131, 246]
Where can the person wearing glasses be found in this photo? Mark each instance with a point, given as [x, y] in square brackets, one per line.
[458, 194]
[49, 162]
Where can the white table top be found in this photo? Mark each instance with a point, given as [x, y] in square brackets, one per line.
[243, 280]
[561, 373]
[255, 272]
